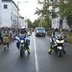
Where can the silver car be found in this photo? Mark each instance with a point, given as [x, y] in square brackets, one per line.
[40, 31]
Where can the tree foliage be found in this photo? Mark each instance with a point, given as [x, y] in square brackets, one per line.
[65, 10]
[69, 13]
[42, 23]
[61, 9]
[44, 10]
[44, 13]
[30, 24]
[36, 23]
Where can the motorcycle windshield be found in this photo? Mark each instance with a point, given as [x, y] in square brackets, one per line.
[56, 34]
[60, 37]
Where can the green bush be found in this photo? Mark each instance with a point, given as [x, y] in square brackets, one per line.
[69, 19]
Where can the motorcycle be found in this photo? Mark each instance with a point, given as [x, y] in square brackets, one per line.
[57, 44]
[23, 45]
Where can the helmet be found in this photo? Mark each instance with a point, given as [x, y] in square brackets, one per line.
[6, 32]
[56, 29]
[23, 30]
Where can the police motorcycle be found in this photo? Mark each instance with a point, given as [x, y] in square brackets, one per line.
[57, 44]
[23, 43]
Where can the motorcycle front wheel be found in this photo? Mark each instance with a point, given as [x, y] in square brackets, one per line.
[21, 53]
[59, 53]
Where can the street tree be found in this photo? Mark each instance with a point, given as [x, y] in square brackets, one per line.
[69, 13]
[43, 12]
[36, 23]
[42, 23]
[30, 24]
[65, 10]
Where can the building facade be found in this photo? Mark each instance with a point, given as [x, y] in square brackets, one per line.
[21, 21]
[56, 21]
[9, 14]
[0, 11]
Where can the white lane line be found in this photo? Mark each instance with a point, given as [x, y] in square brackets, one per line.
[36, 58]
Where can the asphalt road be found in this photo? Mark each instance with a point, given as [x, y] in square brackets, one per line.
[38, 61]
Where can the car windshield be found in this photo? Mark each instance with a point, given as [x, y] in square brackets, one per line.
[40, 29]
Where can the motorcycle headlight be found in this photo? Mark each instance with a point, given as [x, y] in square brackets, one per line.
[62, 41]
[22, 41]
[57, 41]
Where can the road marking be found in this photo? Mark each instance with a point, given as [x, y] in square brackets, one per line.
[36, 58]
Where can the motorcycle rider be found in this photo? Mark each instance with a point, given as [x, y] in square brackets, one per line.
[56, 31]
[61, 31]
[6, 38]
[30, 31]
[23, 33]
[1, 40]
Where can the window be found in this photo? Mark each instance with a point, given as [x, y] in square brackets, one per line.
[5, 6]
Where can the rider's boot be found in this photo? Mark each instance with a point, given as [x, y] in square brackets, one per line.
[8, 45]
[50, 51]
[64, 51]
[28, 50]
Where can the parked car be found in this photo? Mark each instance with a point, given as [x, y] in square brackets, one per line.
[40, 31]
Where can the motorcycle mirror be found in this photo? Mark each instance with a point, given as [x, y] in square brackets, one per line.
[16, 37]
[65, 38]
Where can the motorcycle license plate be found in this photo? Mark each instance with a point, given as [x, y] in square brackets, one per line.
[22, 45]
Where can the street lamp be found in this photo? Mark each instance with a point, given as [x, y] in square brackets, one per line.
[18, 10]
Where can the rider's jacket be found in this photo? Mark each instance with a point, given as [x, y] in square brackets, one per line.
[5, 38]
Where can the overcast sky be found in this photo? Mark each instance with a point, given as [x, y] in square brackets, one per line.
[28, 9]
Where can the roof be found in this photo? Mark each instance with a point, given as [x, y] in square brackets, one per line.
[12, 2]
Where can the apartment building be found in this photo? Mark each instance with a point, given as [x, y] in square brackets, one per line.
[9, 14]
